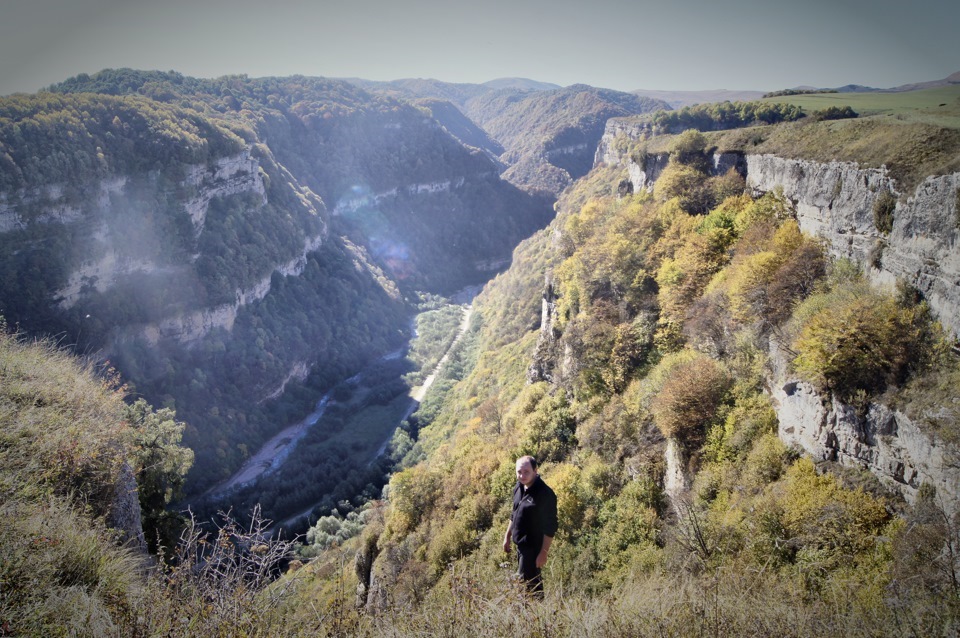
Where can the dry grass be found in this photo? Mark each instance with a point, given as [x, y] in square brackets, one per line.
[725, 602]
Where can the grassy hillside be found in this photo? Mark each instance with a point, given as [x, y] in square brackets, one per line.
[924, 105]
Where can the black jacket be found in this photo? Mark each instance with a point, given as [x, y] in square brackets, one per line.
[534, 514]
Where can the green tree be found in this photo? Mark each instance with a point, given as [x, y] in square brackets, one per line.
[161, 464]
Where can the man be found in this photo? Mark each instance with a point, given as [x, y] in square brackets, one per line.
[533, 523]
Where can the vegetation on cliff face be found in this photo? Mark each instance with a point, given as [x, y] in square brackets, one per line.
[660, 328]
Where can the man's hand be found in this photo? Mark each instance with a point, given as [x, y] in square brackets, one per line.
[506, 543]
[541, 558]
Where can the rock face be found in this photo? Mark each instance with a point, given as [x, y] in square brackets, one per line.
[835, 201]
[227, 176]
[188, 328]
[544, 358]
[125, 510]
[885, 441]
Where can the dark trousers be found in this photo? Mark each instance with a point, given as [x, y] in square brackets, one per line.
[528, 570]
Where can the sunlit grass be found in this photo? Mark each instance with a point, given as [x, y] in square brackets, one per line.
[941, 103]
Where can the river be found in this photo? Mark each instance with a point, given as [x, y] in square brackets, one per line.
[275, 451]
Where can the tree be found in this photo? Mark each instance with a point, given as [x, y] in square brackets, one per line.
[161, 464]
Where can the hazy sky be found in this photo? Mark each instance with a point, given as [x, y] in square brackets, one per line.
[619, 44]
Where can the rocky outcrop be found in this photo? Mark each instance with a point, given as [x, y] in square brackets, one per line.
[885, 441]
[835, 201]
[676, 479]
[544, 357]
[617, 133]
[227, 176]
[642, 176]
[124, 512]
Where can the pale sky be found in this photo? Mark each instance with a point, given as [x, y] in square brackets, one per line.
[618, 44]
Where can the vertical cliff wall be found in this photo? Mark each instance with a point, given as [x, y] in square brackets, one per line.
[836, 200]
[917, 244]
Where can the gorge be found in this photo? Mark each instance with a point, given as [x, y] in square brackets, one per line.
[732, 349]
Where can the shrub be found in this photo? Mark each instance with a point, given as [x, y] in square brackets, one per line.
[730, 184]
[834, 113]
[861, 343]
[411, 493]
[883, 208]
[685, 183]
[689, 399]
[688, 149]
[829, 524]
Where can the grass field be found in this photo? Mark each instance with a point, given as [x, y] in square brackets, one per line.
[940, 106]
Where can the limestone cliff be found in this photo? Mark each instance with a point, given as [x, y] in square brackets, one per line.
[835, 201]
[885, 441]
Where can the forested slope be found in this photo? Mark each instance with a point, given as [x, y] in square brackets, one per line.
[629, 348]
[221, 241]
[549, 136]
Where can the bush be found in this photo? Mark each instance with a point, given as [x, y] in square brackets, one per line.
[883, 208]
[689, 149]
[689, 399]
[685, 183]
[834, 113]
[861, 342]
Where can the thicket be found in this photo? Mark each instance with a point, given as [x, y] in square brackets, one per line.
[720, 116]
[833, 113]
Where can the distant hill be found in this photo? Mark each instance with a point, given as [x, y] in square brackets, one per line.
[524, 84]
[460, 126]
[678, 99]
[855, 88]
[549, 134]
[953, 78]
